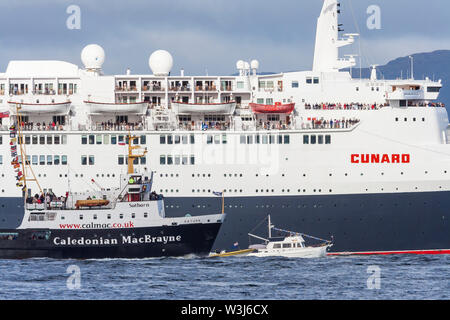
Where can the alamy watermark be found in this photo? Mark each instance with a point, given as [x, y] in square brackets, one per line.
[73, 22]
[74, 280]
[374, 19]
[374, 280]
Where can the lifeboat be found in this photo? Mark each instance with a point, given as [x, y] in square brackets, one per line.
[204, 108]
[91, 203]
[113, 108]
[277, 108]
[61, 108]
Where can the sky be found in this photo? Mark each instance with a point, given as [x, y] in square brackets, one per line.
[209, 36]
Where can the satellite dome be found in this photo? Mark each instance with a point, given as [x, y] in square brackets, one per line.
[93, 56]
[161, 62]
[254, 64]
[240, 65]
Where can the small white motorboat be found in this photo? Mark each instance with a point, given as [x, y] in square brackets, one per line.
[291, 246]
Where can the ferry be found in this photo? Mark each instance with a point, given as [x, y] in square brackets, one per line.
[321, 168]
[129, 222]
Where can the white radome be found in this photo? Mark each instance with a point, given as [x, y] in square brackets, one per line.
[161, 62]
[93, 56]
[254, 64]
[240, 65]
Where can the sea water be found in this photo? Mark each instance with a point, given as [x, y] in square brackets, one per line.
[371, 277]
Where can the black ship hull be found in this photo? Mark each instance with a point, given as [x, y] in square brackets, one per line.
[376, 223]
[358, 223]
[165, 241]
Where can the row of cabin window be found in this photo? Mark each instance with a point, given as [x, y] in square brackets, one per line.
[176, 139]
[216, 139]
[111, 139]
[413, 119]
[85, 160]
[108, 216]
[265, 139]
[176, 160]
[124, 160]
[319, 139]
[309, 80]
[45, 160]
[45, 139]
[287, 245]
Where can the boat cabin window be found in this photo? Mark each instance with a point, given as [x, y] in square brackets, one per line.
[294, 84]
[59, 120]
[286, 139]
[40, 235]
[305, 139]
[299, 245]
[9, 236]
[214, 118]
[320, 139]
[135, 180]
[433, 89]
[121, 119]
[277, 246]
[273, 117]
[286, 245]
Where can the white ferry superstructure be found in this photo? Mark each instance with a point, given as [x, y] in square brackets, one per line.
[366, 161]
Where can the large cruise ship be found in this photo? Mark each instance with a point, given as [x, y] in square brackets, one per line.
[366, 161]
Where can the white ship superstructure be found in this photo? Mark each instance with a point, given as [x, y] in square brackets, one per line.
[351, 154]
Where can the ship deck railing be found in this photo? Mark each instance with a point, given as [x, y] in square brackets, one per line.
[46, 127]
[350, 107]
[118, 127]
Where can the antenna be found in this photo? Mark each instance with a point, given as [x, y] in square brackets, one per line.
[412, 67]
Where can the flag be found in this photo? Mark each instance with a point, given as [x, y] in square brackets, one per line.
[219, 194]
